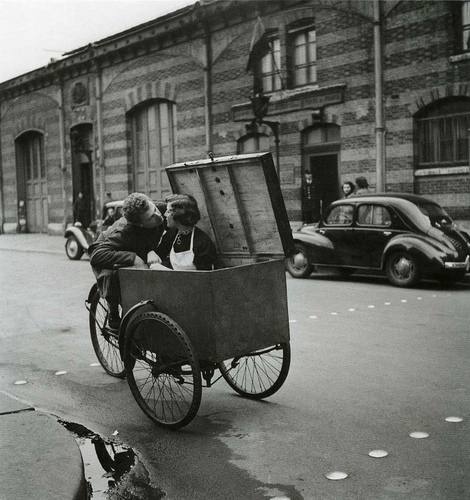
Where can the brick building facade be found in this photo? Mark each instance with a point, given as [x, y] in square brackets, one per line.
[110, 116]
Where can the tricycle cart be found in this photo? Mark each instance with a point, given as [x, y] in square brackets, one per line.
[180, 327]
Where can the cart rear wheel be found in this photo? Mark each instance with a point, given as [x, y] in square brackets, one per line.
[258, 374]
[105, 341]
[162, 370]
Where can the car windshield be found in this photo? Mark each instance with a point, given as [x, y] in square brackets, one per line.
[436, 214]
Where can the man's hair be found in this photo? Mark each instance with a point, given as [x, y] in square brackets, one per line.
[134, 206]
[186, 209]
[361, 183]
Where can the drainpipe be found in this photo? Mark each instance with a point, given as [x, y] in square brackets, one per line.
[208, 89]
[2, 203]
[379, 119]
[63, 167]
[99, 130]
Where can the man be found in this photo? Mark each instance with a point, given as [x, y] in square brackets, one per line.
[309, 201]
[362, 186]
[80, 210]
[130, 241]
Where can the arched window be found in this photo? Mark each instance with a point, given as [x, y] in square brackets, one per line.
[441, 137]
[153, 128]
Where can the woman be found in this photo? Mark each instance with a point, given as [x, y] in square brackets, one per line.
[347, 188]
[185, 247]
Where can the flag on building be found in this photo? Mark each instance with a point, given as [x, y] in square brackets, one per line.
[259, 45]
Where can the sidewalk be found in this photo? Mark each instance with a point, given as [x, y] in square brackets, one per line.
[33, 243]
[40, 459]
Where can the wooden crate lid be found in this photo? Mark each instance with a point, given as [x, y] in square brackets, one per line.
[241, 204]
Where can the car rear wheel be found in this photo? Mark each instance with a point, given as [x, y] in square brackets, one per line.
[402, 269]
[73, 249]
[298, 264]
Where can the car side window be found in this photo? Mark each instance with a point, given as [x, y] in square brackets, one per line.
[373, 215]
[340, 215]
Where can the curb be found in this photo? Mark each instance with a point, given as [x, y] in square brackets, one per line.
[40, 458]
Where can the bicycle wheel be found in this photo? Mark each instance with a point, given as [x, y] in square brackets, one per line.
[162, 370]
[105, 341]
[258, 374]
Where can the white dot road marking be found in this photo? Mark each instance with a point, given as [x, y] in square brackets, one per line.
[371, 306]
[313, 317]
[60, 372]
[334, 313]
[419, 298]
[403, 300]
[378, 453]
[351, 309]
[454, 419]
[20, 382]
[94, 364]
[387, 303]
[336, 475]
[292, 321]
[434, 295]
[419, 435]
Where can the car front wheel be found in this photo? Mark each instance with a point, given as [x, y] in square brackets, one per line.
[73, 249]
[298, 264]
[402, 269]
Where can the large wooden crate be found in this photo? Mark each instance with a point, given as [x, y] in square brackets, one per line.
[225, 313]
[242, 306]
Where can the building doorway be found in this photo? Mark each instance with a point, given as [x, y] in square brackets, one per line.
[81, 138]
[32, 182]
[320, 167]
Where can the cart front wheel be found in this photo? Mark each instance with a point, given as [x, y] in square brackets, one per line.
[105, 341]
[162, 370]
[258, 374]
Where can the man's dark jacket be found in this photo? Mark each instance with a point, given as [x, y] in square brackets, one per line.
[120, 243]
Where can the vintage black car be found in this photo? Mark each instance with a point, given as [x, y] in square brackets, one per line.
[79, 238]
[406, 236]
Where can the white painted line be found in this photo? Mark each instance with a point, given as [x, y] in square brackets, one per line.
[20, 382]
[454, 419]
[378, 453]
[419, 435]
[336, 475]
[60, 372]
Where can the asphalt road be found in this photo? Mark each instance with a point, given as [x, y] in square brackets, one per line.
[370, 364]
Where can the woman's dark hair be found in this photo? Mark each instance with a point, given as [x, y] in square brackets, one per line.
[185, 208]
[350, 184]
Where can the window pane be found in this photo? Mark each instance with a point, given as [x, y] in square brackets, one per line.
[340, 215]
[300, 55]
[364, 214]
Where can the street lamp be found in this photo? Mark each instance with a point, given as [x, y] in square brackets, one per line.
[260, 104]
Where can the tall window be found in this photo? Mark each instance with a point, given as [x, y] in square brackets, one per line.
[303, 47]
[32, 158]
[270, 67]
[442, 134]
[153, 146]
[466, 25]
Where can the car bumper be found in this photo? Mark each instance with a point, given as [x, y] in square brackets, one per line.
[458, 265]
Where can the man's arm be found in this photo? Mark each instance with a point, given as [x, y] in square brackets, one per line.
[109, 252]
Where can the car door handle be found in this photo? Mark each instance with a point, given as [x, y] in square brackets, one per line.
[387, 233]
